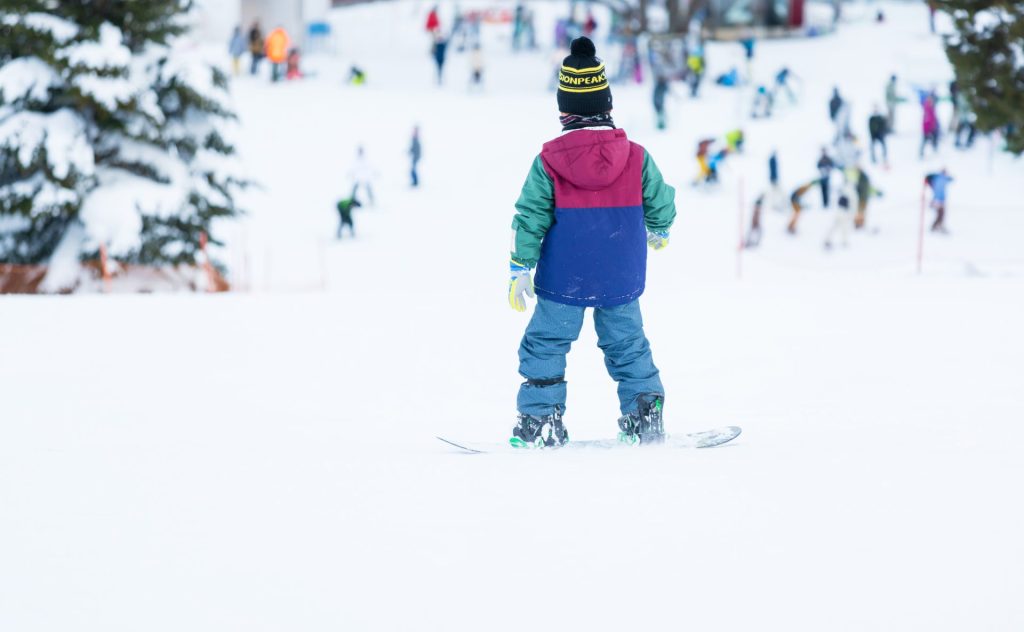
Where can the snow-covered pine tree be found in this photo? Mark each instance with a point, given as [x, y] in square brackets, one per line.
[111, 131]
[987, 53]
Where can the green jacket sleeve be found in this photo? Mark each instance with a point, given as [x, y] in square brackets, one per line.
[535, 212]
[659, 198]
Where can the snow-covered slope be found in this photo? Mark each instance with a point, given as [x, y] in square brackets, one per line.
[266, 461]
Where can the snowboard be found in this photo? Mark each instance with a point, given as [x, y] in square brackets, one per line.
[706, 439]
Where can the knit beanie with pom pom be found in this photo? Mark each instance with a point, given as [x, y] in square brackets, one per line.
[582, 82]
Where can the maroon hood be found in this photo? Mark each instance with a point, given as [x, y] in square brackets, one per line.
[591, 159]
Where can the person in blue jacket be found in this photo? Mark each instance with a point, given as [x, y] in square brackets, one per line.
[938, 182]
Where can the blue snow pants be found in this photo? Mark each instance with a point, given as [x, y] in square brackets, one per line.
[551, 332]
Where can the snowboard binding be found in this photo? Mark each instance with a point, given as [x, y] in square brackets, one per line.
[645, 426]
[540, 432]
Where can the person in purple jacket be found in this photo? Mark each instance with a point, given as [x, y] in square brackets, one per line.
[591, 205]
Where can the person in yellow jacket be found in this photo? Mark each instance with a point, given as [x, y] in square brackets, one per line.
[277, 51]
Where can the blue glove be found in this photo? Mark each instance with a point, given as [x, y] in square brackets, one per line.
[657, 239]
[520, 282]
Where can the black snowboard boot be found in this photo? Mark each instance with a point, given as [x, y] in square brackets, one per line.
[645, 425]
[540, 432]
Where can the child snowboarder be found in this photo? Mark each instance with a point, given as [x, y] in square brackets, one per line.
[345, 207]
[938, 182]
[591, 205]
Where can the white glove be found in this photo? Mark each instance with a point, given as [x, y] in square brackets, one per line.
[521, 282]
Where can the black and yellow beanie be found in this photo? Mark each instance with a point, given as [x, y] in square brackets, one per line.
[582, 81]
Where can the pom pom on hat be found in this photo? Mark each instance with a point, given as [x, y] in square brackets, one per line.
[582, 47]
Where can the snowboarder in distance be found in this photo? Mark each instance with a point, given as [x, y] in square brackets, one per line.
[753, 239]
[841, 222]
[704, 173]
[594, 255]
[865, 191]
[440, 51]
[748, 42]
[965, 130]
[782, 84]
[938, 183]
[255, 46]
[476, 62]
[929, 124]
[825, 167]
[892, 99]
[763, 102]
[356, 76]
[734, 141]
[878, 129]
[236, 46]
[661, 89]
[834, 104]
[361, 175]
[345, 207]
[795, 200]
[415, 153]
[695, 64]
[775, 191]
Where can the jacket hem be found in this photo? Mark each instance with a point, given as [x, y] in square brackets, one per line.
[590, 301]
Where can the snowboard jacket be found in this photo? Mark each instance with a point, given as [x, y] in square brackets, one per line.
[583, 215]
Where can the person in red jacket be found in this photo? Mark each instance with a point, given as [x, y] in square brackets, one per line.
[433, 22]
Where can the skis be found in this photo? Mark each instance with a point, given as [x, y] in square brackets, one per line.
[706, 439]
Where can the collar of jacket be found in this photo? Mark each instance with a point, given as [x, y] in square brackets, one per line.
[578, 129]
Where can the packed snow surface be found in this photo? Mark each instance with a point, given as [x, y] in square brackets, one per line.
[267, 461]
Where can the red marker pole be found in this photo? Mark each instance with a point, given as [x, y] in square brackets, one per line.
[207, 266]
[104, 269]
[920, 233]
